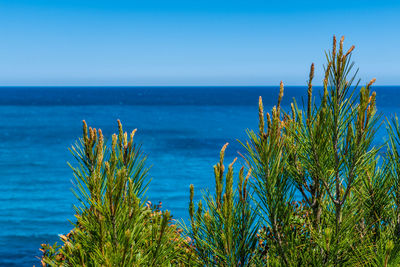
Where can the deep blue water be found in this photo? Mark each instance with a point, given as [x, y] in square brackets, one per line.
[182, 130]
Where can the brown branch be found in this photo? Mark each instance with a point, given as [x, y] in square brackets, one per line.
[329, 192]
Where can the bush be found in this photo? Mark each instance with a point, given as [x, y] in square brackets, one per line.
[115, 227]
[325, 154]
[223, 232]
[315, 191]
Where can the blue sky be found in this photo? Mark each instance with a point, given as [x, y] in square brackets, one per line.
[208, 42]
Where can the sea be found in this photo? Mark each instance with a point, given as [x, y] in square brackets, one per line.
[181, 130]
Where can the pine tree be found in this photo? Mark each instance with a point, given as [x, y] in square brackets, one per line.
[114, 226]
[223, 230]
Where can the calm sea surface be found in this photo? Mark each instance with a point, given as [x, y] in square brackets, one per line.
[181, 129]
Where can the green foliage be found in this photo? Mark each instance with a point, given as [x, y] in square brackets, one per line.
[114, 227]
[266, 157]
[223, 231]
[317, 192]
[325, 154]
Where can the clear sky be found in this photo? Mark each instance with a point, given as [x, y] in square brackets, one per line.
[191, 42]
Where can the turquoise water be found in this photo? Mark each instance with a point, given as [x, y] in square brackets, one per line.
[181, 129]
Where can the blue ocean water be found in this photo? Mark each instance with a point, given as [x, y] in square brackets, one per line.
[181, 129]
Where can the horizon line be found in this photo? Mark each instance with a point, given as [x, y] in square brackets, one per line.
[305, 85]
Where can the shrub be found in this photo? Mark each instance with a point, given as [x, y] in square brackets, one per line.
[325, 156]
[324, 193]
[114, 226]
[223, 231]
